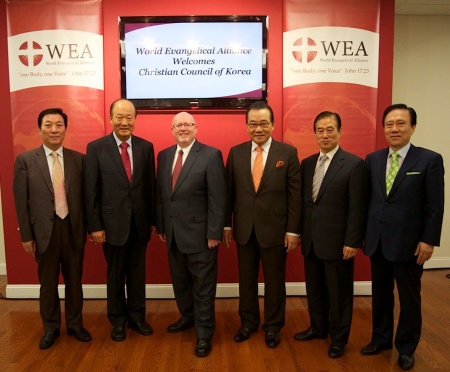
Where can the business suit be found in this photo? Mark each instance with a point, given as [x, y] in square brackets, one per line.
[58, 242]
[335, 219]
[412, 212]
[260, 220]
[188, 216]
[125, 211]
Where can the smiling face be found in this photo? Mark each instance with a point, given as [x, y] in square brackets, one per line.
[123, 119]
[327, 133]
[184, 129]
[398, 129]
[53, 131]
[260, 118]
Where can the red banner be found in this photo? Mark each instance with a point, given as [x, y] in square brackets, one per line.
[56, 60]
[330, 62]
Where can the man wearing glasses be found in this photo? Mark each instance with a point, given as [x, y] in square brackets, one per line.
[191, 195]
[264, 211]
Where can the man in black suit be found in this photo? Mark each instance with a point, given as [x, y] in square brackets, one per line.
[191, 196]
[49, 199]
[264, 210]
[404, 224]
[120, 207]
[334, 186]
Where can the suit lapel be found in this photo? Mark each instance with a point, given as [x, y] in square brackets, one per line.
[334, 167]
[271, 161]
[68, 169]
[113, 151]
[310, 168]
[408, 163]
[42, 163]
[381, 170]
[190, 160]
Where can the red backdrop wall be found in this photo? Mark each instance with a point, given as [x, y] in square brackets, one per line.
[221, 129]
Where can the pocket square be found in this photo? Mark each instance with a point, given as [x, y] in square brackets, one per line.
[412, 173]
[280, 163]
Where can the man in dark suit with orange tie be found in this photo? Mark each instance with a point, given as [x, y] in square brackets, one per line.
[49, 200]
[264, 211]
[404, 225]
[191, 195]
[120, 207]
[334, 187]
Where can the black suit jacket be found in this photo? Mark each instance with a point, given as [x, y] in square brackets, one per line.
[195, 210]
[111, 201]
[276, 207]
[34, 197]
[414, 209]
[338, 216]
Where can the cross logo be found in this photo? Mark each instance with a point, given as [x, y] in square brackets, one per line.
[308, 50]
[30, 54]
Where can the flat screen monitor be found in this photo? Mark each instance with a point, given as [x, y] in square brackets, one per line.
[185, 62]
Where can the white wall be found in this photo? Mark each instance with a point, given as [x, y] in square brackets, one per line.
[422, 81]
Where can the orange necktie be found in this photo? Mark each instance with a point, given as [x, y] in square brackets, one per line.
[258, 168]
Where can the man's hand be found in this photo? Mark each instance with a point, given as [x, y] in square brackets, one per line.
[212, 243]
[98, 236]
[291, 242]
[349, 252]
[227, 237]
[423, 252]
[30, 247]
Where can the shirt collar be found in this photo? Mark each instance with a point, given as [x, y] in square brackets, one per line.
[265, 146]
[402, 152]
[119, 141]
[185, 149]
[48, 151]
[330, 154]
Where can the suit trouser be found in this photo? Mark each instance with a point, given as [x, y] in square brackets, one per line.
[61, 255]
[407, 276]
[329, 290]
[194, 280]
[273, 262]
[126, 265]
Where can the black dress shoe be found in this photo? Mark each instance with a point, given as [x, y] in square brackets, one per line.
[143, 328]
[118, 332]
[335, 351]
[180, 325]
[203, 347]
[48, 339]
[80, 334]
[406, 361]
[242, 334]
[372, 349]
[272, 339]
[307, 335]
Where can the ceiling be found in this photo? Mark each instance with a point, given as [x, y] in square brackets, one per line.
[422, 7]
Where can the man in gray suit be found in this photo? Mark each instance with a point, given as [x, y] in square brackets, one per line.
[335, 189]
[52, 229]
[191, 193]
[264, 210]
[120, 207]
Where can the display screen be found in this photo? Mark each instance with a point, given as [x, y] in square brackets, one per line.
[193, 61]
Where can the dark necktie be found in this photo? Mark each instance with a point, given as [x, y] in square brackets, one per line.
[177, 168]
[126, 159]
[318, 177]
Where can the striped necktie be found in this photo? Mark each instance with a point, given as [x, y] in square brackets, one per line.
[318, 176]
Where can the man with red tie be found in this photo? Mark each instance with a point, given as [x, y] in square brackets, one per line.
[120, 209]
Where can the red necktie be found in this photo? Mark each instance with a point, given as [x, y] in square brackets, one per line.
[177, 168]
[126, 159]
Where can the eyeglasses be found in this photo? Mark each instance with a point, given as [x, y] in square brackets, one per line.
[186, 125]
[263, 124]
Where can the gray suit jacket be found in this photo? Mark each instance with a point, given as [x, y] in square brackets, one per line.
[111, 201]
[195, 210]
[338, 216]
[34, 198]
[276, 208]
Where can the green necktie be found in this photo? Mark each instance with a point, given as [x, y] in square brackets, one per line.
[393, 170]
